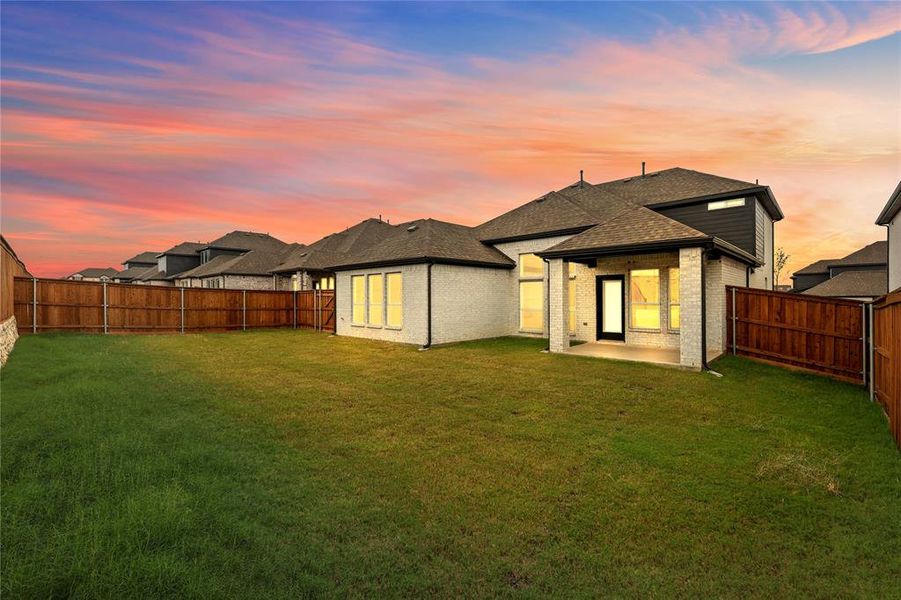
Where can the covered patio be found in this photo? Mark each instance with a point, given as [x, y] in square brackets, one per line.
[621, 351]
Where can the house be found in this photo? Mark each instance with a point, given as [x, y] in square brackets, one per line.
[860, 275]
[94, 274]
[639, 264]
[890, 219]
[175, 260]
[136, 266]
[237, 260]
[309, 267]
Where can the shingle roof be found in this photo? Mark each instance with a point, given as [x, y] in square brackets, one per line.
[675, 184]
[818, 268]
[891, 207]
[151, 274]
[428, 240]
[852, 284]
[186, 248]
[132, 273]
[97, 272]
[143, 257]
[334, 247]
[551, 213]
[871, 254]
[254, 262]
[248, 240]
[631, 226]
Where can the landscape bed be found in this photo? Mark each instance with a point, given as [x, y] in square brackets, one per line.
[286, 463]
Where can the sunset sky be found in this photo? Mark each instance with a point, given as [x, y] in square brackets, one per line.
[132, 127]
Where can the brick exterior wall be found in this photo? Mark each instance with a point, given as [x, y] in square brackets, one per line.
[248, 282]
[414, 328]
[470, 303]
[558, 276]
[690, 307]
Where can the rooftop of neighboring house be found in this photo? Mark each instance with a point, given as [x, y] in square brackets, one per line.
[144, 258]
[870, 255]
[852, 284]
[891, 207]
[132, 273]
[253, 262]
[331, 249]
[247, 240]
[96, 272]
[185, 249]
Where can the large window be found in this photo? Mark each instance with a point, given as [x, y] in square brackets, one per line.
[358, 285]
[531, 305]
[571, 297]
[394, 296]
[644, 296]
[530, 266]
[721, 204]
[674, 316]
[376, 294]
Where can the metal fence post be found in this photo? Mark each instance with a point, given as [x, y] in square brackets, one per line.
[863, 343]
[105, 310]
[294, 323]
[872, 348]
[733, 322]
[244, 310]
[182, 310]
[34, 305]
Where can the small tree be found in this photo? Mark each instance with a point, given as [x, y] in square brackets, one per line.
[780, 259]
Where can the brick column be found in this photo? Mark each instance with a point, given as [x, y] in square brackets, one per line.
[690, 300]
[558, 309]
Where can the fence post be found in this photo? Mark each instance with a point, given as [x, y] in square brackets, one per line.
[244, 310]
[105, 309]
[182, 310]
[34, 305]
[733, 322]
[872, 355]
[863, 343]
[294, 323]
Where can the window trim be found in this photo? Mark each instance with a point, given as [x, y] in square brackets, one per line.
[658, 304]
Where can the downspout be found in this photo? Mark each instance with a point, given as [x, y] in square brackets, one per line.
[428, 309]
[547, 302]
[704, 365]
[748, 276]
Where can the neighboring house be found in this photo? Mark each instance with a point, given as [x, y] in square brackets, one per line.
[237, 260]
[94, 274]
[889, 217]
[309, 267]
[624, 261]
[170, 263]
[136, 266]
[860, 275]
[782, 288]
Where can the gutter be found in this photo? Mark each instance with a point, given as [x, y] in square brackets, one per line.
[428, 304]
[704, 365]
[547, 306]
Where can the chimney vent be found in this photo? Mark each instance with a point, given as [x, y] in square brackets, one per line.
[642, 168]
[581, 178]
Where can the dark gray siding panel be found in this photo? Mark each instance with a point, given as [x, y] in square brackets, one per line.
[735, 225]
[805, 282]
[760, 222]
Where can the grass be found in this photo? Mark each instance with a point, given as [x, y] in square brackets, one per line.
[286, 464]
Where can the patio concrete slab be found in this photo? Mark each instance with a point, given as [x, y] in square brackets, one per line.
[620, 351]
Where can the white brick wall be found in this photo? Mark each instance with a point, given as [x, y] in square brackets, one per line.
[559, 306]
[470, 303]
[894, 253]
[247, 282]
[690, 301]
[414, 328]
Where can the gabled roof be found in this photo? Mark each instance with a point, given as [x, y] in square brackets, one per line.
[428, 240]
[671, 185]
[185, 249]
[143, 258]
[247, 240]
[254, 262]
[133, 272]
[871, 254]
[891, 207]
[331, 249]
[852, 284]
[97, 272]
[550, 214]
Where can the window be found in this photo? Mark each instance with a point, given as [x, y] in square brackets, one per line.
[394, 296]
[531, 305]
[721, 204]
[295, 282]
[530, 266]
[644, 296]
[358, 291]
[376, 294]
[674, 316]
[571, 296]
[325, 283]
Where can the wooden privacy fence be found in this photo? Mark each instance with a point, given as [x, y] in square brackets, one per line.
[823, 335]
[886, 382]
[58, 305]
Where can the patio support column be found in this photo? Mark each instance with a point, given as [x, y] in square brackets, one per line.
[690, 309]
[558, 308]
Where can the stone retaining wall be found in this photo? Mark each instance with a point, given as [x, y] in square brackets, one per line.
[8, 336]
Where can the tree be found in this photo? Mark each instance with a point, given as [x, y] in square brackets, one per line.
[779, 261]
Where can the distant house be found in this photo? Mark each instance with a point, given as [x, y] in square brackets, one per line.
[136, 266]
[175, 260]
[889, 217]
[860, 275]
[237, 260]
[308, 267]
[94, 274]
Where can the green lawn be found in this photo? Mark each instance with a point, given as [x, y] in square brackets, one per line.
[284, 463]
